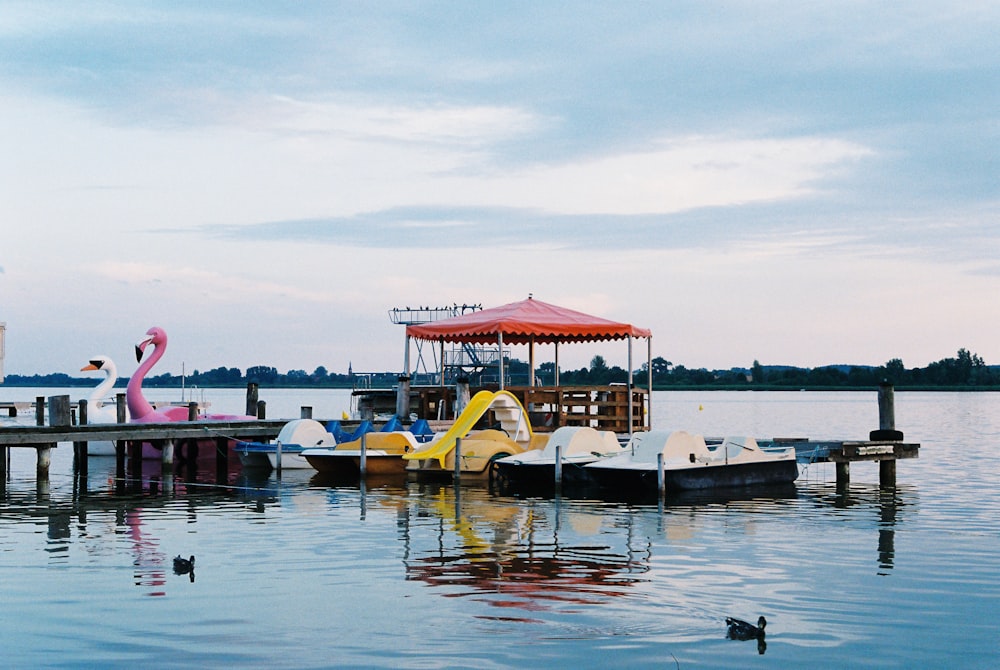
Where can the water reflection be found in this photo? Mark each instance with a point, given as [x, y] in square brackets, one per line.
[889, 503]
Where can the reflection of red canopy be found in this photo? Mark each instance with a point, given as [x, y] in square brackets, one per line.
[523, 322]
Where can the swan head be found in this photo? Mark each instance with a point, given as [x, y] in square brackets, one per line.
[98, 363]
[155, 336]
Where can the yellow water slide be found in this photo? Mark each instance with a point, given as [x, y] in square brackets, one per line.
[506, 407]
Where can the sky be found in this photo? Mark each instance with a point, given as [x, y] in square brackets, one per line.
[795, 183]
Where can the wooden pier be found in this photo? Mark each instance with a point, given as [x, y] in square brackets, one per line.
[128, 437]
[885, 446]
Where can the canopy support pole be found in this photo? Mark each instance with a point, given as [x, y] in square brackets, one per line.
[500, 356]
[556, 381]
[531, 361]
[649, 382]
[630, 385]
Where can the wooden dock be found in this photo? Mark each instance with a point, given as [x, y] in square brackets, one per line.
[130, 436]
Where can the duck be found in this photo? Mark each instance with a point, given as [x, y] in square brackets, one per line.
[183, 566]
[744, 630]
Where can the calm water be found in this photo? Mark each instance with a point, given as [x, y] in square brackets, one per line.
[294, 573]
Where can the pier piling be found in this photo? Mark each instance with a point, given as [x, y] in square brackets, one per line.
[252, 393]
[885, 445]
[80, 448]
[886, 421]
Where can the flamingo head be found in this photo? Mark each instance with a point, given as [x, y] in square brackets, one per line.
[97, 363]
[155, 336]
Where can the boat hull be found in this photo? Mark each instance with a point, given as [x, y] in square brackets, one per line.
[512, 476]
[264, 455]
[781, 471]
[347, 463]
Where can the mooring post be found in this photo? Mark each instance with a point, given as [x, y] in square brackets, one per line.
[462, 394]
[120, 407]
[458, 459]
[59, 415]
[261, 409]
[363, 463]
[403, 398]
[886, 421]
[661, 485]
[558, 465]
[40, 410]
[305, 412]
[887, 473]
[252, 391]
[886, 406]
[80, 448]
[843, 474]
[192, 411]
[167, 456]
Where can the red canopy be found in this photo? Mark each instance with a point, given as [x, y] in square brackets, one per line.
[525, 322]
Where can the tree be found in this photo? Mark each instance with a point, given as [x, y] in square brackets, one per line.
[757, 372]
[262, 374]
[599, 372]
[661, 367]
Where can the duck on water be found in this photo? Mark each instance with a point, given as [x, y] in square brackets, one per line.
[744, 630]
[737, 629]
[184, 566]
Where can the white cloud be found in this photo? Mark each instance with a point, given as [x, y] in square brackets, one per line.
[675, 175]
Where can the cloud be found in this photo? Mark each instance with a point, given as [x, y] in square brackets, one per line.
[211, 286]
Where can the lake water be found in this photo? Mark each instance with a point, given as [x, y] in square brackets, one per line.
[295, 573]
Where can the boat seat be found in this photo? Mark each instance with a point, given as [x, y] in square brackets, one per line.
[422, 430]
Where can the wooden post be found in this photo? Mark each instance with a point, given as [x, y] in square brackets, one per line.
[167, 455]
[458, 459]
[403, 398]
[120, 408]
[886, 407]
[886, 421]
[261, 409]
[80, 448]
[305, 412]
[661, 485]
[40, 410]
[192, 411]
[59, 415]
[558, 465]
[363, 463]
[462, 394]
[120, 446]
[252, 392]
[843, 474]
[887, 473]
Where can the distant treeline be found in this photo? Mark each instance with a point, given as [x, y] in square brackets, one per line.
[966, 371]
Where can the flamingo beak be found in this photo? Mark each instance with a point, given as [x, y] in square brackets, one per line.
[140, 348]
